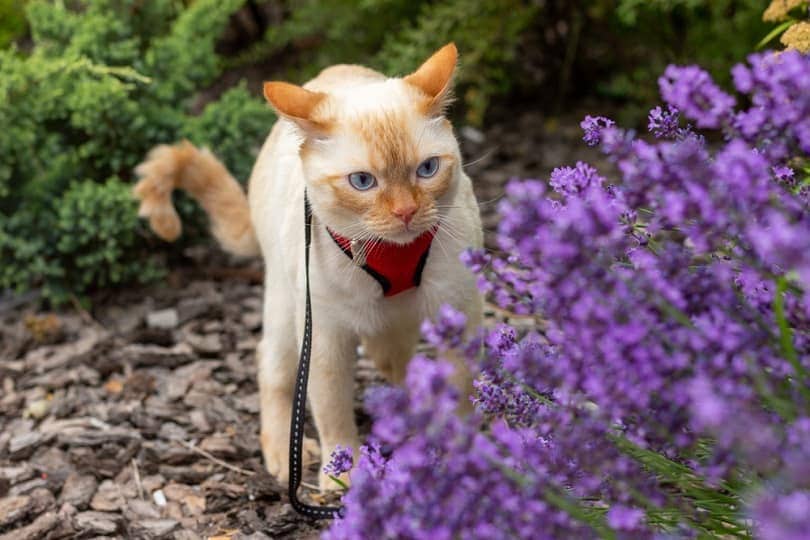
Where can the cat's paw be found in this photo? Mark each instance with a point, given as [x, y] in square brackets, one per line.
[311, 452]
[277, 457]
[327, 483]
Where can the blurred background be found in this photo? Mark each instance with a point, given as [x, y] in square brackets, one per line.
[87, 87]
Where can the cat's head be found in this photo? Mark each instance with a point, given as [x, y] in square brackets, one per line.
[379, 158]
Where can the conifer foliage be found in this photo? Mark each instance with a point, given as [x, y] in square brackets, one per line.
[103, 82]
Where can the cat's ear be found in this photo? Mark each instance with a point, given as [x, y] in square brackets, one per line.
[435, 78]
[297, 104]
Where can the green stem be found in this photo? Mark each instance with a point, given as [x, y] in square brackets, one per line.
[339, 482]
[786, 337]
[578, 512]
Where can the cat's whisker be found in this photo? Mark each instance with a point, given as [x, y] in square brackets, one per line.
[492, 200]
[450, 225]
[421, 134]
[447, 218]
[453, 237]
[484, 156]
[366, 246]
[438, 241]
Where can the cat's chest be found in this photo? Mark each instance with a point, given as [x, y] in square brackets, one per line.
[350, 295]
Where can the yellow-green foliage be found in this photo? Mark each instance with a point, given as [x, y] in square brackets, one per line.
[100, 87]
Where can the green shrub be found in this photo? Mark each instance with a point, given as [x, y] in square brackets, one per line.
[325, 33]
[89, 237]
[225, 125]
[488, 40]
[649, 34]
[100, 87]
[12, 21]
[395, 36]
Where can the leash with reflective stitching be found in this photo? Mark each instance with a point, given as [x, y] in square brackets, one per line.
[300, 395]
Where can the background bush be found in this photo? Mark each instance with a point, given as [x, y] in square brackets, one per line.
[12, 20]
[564, 51]
[653, 33]
[87, 87]
[98, 88]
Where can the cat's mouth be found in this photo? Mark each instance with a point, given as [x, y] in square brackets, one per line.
[405, 234]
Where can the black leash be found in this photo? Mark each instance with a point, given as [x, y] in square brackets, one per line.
[300, 396]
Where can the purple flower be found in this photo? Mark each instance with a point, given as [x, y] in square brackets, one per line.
[709, 408]
[664, 123]
[784, 175]
[340, 462]
[658, 372]
[778, 120]
[447, 330]
[691, 90]
[575, 180]
[781, 516]
[593, 126]
[624, 518]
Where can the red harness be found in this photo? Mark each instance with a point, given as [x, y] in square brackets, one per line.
[396, 267]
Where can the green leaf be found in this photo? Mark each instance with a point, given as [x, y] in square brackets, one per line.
[774, 33]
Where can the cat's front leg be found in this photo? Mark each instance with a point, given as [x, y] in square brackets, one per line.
[277, 358]
[276, 380]
[392, 349]
[331, 392]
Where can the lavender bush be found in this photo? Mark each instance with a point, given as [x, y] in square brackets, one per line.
[665, 391]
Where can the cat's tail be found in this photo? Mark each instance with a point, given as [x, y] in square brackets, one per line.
[198, 172]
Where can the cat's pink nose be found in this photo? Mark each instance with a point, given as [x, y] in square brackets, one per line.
[405, 213]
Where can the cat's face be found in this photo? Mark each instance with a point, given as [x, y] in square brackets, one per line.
[384, 169]
[379, 159]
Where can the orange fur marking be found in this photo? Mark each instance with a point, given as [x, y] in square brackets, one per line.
[347, 197]
[204, 178]
[434, 78]
[402, 197]
[296, 103]
[392, 153]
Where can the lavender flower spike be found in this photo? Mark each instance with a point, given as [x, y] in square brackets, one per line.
[692, 91]
[592, 126]
[340, 462]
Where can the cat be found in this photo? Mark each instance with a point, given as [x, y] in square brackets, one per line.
[383, 174]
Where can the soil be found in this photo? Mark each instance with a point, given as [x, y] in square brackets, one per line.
[139, 417]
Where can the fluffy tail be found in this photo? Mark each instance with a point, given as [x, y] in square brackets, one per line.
[198, 172]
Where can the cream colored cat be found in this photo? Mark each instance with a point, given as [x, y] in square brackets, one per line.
[381, 167]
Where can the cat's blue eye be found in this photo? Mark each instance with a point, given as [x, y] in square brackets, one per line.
[428, 168]
[362, 181]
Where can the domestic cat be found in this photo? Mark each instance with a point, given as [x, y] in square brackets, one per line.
[383, 174]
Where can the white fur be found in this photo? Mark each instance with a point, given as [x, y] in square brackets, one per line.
[348, 305]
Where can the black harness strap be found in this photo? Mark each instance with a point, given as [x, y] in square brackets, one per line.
[300, 396]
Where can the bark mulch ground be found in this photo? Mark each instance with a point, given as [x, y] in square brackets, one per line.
[140, 422]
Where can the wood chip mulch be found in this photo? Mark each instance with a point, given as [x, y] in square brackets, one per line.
[140, 422]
